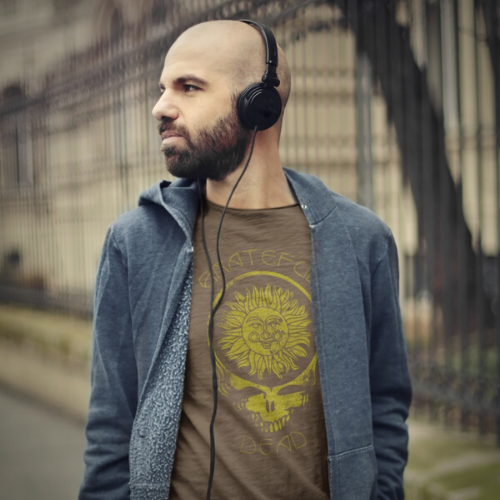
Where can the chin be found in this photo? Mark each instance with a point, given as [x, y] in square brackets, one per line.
[185, 173]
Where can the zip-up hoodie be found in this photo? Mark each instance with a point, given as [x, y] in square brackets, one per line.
[141, 319]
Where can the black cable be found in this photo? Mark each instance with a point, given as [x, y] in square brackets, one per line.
[213, 309]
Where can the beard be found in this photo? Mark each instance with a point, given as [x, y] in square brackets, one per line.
[213, 154]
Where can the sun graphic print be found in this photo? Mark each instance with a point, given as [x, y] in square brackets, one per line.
[266, 331]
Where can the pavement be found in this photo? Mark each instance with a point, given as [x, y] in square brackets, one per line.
[40, 451]
[42, 439]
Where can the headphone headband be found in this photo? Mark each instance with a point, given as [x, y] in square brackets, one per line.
[269, 77]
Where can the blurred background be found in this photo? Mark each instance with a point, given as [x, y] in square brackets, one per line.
[395, 104]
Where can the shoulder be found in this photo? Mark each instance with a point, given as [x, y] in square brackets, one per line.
[138, 223]
[371, 242]
[335, 217]
[371, 238]
[363, 226]
[360, 221]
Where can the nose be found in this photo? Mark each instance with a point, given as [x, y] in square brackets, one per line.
[165, 108]
[266, 334]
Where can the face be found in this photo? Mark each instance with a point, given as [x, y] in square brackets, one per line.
[202, 136]
[210, 153]
[265, 331]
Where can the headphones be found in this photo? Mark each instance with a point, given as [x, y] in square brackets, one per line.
[259, 105]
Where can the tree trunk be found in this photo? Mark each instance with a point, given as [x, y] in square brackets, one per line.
[445, 239]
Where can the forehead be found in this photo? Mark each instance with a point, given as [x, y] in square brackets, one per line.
[210, 62]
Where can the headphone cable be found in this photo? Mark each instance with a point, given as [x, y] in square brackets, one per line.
[213, 309]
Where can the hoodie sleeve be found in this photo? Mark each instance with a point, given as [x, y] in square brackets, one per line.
[389, 378]
[113, 398]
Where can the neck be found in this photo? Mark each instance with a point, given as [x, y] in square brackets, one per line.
[264, 184]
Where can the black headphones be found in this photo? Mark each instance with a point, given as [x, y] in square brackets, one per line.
[259, 105]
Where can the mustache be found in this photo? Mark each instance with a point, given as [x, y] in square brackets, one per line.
[166, 125]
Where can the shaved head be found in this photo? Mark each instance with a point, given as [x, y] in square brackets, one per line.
[206, 69]
[237, 50]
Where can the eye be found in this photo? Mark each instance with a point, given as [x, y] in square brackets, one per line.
[190, 88]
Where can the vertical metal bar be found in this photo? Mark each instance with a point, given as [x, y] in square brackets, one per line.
[295, 133]
[361, 65]
[305, 89]
[342, 69]
[432, 373]
[463, 307]
[497, 298]
[124, 94]
[448, 285]
[328, 39]
[47, 138]
[364, 132]
[440, 237]
[412, 280]
[495, 58]
[480, 379]
[18, 157]
[358, 33]
[318, 94]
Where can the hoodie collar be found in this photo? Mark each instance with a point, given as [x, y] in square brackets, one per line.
[315, 198]
[180, 198]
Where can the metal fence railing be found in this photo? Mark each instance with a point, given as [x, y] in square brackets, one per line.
[395, 104]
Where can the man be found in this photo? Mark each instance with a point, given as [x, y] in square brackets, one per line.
[313, 386]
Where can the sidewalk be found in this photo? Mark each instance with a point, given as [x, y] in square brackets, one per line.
[41, 451]
[51, 352]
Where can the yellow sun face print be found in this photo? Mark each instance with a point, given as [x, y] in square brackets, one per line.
[265, 330]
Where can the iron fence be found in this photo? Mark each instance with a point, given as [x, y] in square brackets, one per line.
[395, 104]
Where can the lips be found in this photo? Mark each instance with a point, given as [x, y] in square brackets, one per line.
[172, 136]
[169, 133]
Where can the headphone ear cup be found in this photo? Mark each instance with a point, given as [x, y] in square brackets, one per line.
[259, 105]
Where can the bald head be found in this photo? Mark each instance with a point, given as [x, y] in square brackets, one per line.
[233, 48]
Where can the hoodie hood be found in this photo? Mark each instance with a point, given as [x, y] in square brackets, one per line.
[180, 199]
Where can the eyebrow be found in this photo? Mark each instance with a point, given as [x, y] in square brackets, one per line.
[182, 80]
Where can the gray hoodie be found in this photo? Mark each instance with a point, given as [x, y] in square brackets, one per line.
[141, 319]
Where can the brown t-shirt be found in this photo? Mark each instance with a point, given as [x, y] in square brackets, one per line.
[270, 436]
